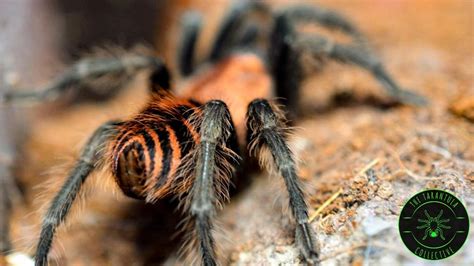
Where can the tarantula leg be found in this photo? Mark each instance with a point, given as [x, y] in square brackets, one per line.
[10, 194]
[228, 35]
[323, 17]
[160, 78]
[444, 221]
[63, 201]
[439, 215]
[427, 215]
[191, 27]
[422, 226]
[89, 69]
[6, 186]
[285, 65]
[427, 232]
[266, 129]
[215, 130]
[441, 234]
[423, 221]
[284, 59]
[320, 46]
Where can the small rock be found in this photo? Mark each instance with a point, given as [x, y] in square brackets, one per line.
[279, 249]
[18, 258]
[360, 181]
[385, 190]
[12, 78]
[374, 225]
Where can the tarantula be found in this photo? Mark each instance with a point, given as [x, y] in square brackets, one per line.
[187, 141]
[433, 225]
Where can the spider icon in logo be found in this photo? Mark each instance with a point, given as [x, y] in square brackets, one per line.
[434, 225]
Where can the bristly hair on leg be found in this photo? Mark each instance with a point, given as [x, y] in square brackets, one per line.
[7, 189]
[259, 150]
[263, 123]
[109, 84]
[63, 201]
[104, 73]
[256, 146]
[225, 161]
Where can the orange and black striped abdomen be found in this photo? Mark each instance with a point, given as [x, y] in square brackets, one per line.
[150, 148]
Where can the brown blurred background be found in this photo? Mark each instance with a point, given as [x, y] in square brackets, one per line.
[426, 45]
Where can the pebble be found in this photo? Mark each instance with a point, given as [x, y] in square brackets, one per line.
[385, 190]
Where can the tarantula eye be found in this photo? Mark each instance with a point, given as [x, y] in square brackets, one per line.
[130, 170]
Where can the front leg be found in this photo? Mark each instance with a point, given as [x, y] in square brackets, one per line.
[266, 129]
[215, 129]
[90, 157]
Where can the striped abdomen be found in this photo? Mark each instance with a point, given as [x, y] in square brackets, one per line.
[148, 152]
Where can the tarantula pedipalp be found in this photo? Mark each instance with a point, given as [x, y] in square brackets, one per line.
[187, 140]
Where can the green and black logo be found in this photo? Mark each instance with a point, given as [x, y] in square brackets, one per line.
[434, 224]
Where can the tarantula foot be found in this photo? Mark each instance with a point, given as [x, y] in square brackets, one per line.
[312, 258]
[306, 243]
[410, 97]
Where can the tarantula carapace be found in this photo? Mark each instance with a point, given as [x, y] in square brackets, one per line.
[188, 140]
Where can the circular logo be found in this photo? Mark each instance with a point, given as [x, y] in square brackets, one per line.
[433, 224]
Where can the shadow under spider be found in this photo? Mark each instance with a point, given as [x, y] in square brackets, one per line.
[158, 234]
[347, 98]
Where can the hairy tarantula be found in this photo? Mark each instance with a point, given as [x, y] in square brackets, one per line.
[187, 141]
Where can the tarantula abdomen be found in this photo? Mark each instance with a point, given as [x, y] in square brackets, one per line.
[149, 149]
[130, 170]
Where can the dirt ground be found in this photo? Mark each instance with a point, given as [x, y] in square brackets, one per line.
[352, 143]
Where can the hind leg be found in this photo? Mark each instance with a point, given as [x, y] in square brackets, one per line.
[89, 69]
[319, 46]
[191, 24]
[233, 33]
[285, 65]
[288, 44]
